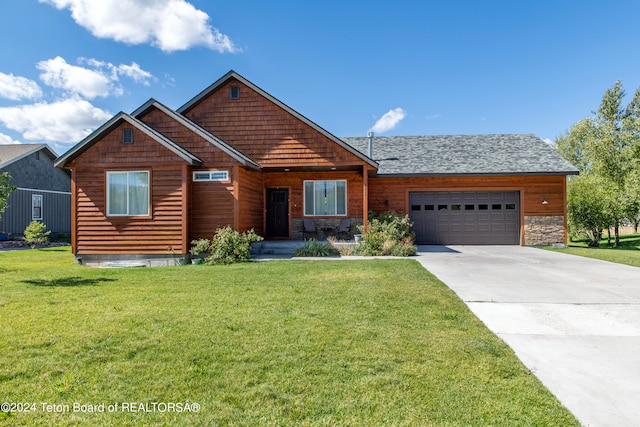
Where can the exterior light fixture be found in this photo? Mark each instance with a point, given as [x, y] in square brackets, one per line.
[545, 202]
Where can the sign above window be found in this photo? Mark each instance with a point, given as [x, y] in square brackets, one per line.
[203, 176]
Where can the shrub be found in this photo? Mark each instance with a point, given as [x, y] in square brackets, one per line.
[229, 246]
[387, 234]
[35, 234]
[200, 246]
[314, 248]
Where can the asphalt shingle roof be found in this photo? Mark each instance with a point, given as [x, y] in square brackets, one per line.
[12, 152]
[512, 154]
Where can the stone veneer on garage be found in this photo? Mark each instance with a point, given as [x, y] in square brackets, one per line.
[543, 230]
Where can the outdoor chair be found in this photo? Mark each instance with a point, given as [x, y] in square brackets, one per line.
[309, 227]
[345, 227]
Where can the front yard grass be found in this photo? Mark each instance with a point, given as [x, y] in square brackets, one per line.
[627, 253]
[370, 343]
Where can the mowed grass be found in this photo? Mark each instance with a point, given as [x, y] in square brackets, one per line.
[627, 253]
[284, 343]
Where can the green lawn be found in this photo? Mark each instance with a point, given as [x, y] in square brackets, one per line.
[627, 253]
[280, 343]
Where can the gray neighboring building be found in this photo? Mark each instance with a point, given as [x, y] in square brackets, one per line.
[44, 191]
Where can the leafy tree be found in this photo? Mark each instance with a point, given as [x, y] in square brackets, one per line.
[5, 190]
[606, 149]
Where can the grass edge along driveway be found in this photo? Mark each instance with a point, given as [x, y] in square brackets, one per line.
[379, 342]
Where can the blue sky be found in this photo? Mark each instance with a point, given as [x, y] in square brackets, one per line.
[400, 68]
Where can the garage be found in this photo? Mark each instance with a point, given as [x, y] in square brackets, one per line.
[466, 218]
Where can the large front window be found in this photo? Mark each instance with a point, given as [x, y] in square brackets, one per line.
[325, 198]
[128, 193]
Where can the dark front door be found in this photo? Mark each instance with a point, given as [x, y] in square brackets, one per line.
[277, 212]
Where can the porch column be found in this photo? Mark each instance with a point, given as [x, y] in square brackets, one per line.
[186, 205]
[365, 196]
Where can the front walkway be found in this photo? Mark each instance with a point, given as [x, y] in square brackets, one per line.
[575, 322]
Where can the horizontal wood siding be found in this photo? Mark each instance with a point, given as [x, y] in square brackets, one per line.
[265, 132]
[251, 201]
[211, 207]
[96, 233]
[533, 189]
[295, 182]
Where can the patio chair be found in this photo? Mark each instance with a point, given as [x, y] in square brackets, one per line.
[309, 227]
[345, 227]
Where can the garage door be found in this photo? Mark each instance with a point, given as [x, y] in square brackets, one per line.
[466, 218]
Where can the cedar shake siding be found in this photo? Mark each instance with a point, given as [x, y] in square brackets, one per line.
[266, 132]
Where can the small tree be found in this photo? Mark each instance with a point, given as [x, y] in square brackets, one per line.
[36, 234]
[5, 190]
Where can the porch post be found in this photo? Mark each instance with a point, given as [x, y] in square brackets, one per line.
[365, 196]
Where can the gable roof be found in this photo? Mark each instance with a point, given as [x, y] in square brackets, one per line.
[233, 75]
[114, 122]
[197, 129]
[452, 155]
[11, 153]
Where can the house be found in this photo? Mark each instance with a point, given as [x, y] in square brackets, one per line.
[147, 183]
[43, 191]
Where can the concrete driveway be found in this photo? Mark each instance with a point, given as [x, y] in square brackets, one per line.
[575, 322]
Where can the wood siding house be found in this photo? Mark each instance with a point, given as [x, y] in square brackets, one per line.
[43, 191]
[147, 183]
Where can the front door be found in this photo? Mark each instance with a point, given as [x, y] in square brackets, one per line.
[277, 212]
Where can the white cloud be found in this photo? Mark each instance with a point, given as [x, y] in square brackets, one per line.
[168, 24]
[434, 116]
[88, 83]
[549, 141]
[133, 71]
[6, 140]
[66, 121]
[389, 120]
[16, 88]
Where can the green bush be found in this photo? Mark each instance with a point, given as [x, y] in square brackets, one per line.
[200, 246]
[229, 246]
[313, 248]
[35, 234]
[387, 234]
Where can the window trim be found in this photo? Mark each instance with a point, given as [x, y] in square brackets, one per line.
[346, 198]
[211, 173]
[108, 198]
[35, 197]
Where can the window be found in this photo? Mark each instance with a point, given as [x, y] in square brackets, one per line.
[469, 207]
[328, 198]
[127, 135]
[36, 207]
[496, 206]
[510, 206]
[128, 193]
[455, 207]
[415, 207]
[442, 207]
[428, 207]
[234, 92]
[483, 207]
[202, 176]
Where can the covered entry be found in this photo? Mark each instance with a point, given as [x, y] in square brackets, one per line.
[466, 218]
